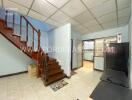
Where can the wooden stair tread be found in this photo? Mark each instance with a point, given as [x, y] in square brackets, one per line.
[8, 28]
[16, 35]
[54, 67]
[52, 62]
[53, 72]
[1, 20]
[55, 78]
[52, 59]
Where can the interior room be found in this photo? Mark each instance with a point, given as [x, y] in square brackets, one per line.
[65, 50]
[88, 53]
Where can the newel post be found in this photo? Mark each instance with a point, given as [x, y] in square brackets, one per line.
[39, 56]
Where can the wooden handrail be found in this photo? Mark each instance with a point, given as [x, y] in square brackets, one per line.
[27, 31]
[29, 23]
[33, 41]
[41, 57]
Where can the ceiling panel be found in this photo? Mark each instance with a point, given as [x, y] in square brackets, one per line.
[104, 8]
[84, 17]
[123, 3]
[87, 32]
[52, 22]
[108, 17]
[58, 3]
[74, 8]
[109, 25]
[95, 28]
[73, 22]
[123, 20]
[43, 7]
[36, 15]
[91, 23]
[60, 17]
[15, 7]
[80, 28]
[26, 3]
[93, 3]
[124, 12]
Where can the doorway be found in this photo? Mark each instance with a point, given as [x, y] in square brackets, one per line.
[88, 54]
[100, 45]
[76, 54]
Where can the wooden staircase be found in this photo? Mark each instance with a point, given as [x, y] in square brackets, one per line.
[47, 68]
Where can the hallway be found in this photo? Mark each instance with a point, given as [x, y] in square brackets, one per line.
[88, 64]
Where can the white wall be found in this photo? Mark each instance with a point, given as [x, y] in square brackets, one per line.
[12, 60]
[111, 32]
[60, 38]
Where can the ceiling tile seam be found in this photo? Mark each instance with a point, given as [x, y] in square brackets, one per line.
[117, 11]
[18, 4]
[54, 21]
[74, 19]
[123, 8]
[37, 12]
[92, 14]
[51, 4]
[98, 17]
[30, 7]
[57, 10]
[107, 14]
[109, 21]
[80, 23]
[26, 7]
[83, 25]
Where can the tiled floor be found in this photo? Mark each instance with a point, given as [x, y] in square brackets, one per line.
[88, 64]
[23, 87]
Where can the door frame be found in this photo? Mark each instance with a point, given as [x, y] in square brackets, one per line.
[71, 54]
[93, 50]
[94, 46]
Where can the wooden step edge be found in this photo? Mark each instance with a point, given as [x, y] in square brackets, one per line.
[54, 79]
[54, 67]
[2, 20]
[52, 59]
[53, 62]
[8, 28]
[23, 41]
[53, 72]
[16, 35]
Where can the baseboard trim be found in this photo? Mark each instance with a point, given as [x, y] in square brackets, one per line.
[2, 76]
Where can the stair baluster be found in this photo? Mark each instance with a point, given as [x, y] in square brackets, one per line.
[6, 16]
